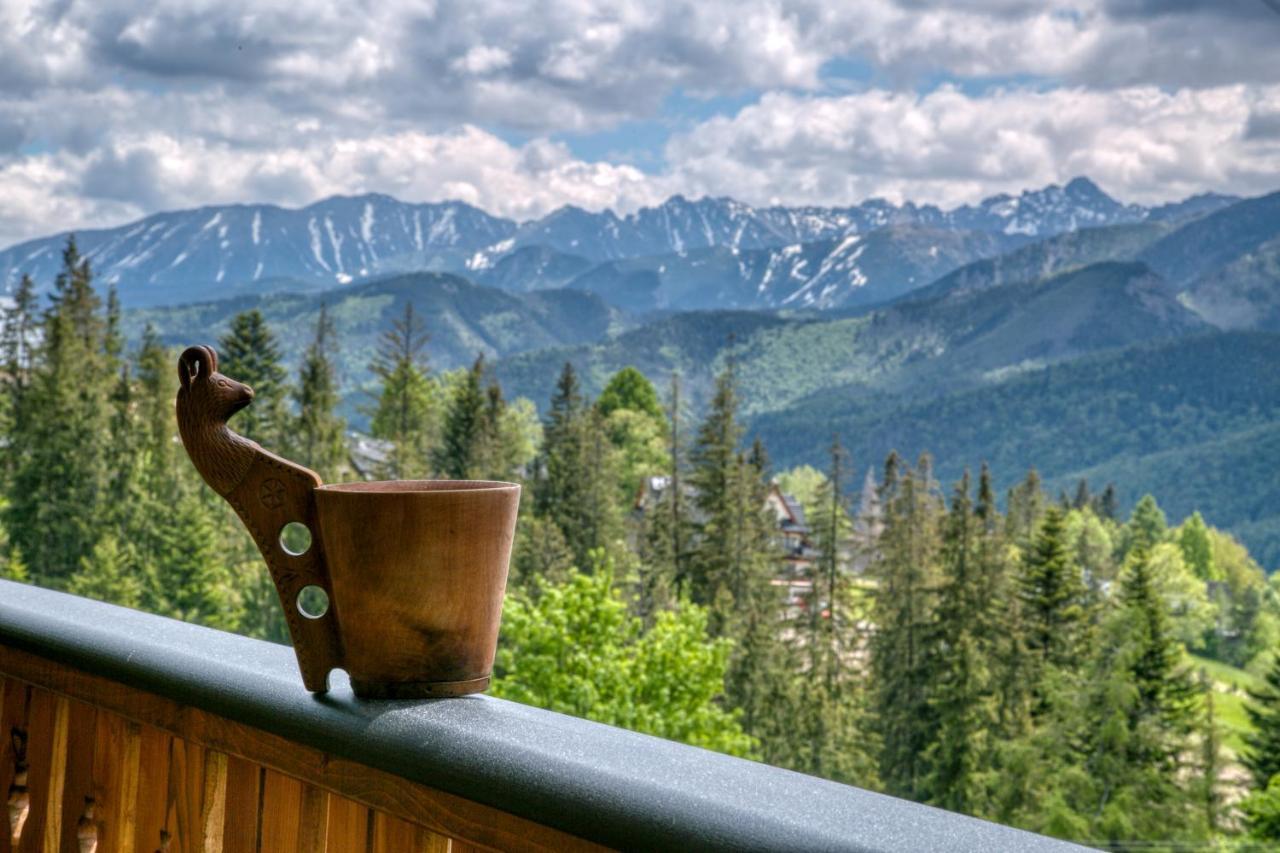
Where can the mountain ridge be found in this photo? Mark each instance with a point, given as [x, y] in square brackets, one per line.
[191, 255]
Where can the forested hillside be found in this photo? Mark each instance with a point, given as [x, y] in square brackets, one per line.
[1020, 656]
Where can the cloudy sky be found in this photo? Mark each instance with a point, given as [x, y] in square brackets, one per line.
[109, 110]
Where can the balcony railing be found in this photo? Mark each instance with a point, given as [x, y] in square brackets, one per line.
[133, 732]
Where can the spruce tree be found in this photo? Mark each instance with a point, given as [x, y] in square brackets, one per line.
[1053, 595]
[667, 534]
[902, 672]
[1261, 755]
[577, 488]
[407, 413]
[1147, 525]
[250, 353]
[317, 434]
[58, 493]
[827, 717]
[109, 574]
[1026, 506]
[457, 455]
[961, 697]
[1197, 549]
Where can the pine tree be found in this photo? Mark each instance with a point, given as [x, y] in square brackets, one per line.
[716, 480]
[407, 414]
[1210, 755]
[1107, 505]
[1261, 755]
[902, 674]
[317, 434]
[250, 354]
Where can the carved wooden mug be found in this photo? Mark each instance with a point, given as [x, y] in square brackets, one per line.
[414, 570]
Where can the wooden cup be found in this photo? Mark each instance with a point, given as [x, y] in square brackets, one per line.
[418, 569]
[414, 570]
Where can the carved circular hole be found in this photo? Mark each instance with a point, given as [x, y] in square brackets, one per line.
[295, 538]
[313, 601]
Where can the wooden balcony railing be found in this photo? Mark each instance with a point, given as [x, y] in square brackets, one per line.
[129, 732]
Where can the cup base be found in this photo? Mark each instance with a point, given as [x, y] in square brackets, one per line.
[417, 689]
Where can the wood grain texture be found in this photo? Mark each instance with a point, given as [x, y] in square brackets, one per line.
[313, 820]
[77, 785]
[415, 570]
[151, 825]
[281, 813]
[41, 754]
[348, 826]
[213, 806]
[267, 492]
[116, 758]
[243, 805]
[419, 569]
[13, 716]
[440, 812]
[393, 835]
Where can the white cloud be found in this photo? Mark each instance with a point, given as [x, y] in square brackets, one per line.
[1141, 144]
[127, 179]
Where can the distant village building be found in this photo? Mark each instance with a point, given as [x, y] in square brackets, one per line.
[794, 537]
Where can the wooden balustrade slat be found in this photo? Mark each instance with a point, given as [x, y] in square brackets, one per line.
[186, 796]
[243, 804]
[77, 784]
[152, 830]
[116, 759]
[313, 820]
[214, 804]
[40, 754]
[393, 835]
[443, 814]
[13, 711]
[349, 826]
[281, 807]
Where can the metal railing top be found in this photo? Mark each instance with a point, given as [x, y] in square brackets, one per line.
[598, 782]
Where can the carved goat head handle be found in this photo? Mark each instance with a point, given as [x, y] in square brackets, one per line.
[216, 396]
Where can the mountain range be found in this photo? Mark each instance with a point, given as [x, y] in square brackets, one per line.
[212, 252]
[1058, 327]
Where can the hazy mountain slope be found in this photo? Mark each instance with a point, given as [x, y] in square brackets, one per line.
[532, 268]
[1244, 294]
[1213, 398]
[462, 319]
[1046, 258]
[911, 348]
[1211, 242]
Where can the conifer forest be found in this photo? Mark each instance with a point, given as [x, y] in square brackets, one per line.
[1051, 660]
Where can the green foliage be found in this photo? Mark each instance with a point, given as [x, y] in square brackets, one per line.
[574, 648]
[317, 435]
[407, 414]
[108, 574]
[250, 353]
[1262, 748]
[630, 389]
[1197, 549]
[1262, 812]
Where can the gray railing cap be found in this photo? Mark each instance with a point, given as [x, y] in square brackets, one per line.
[605, 784]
